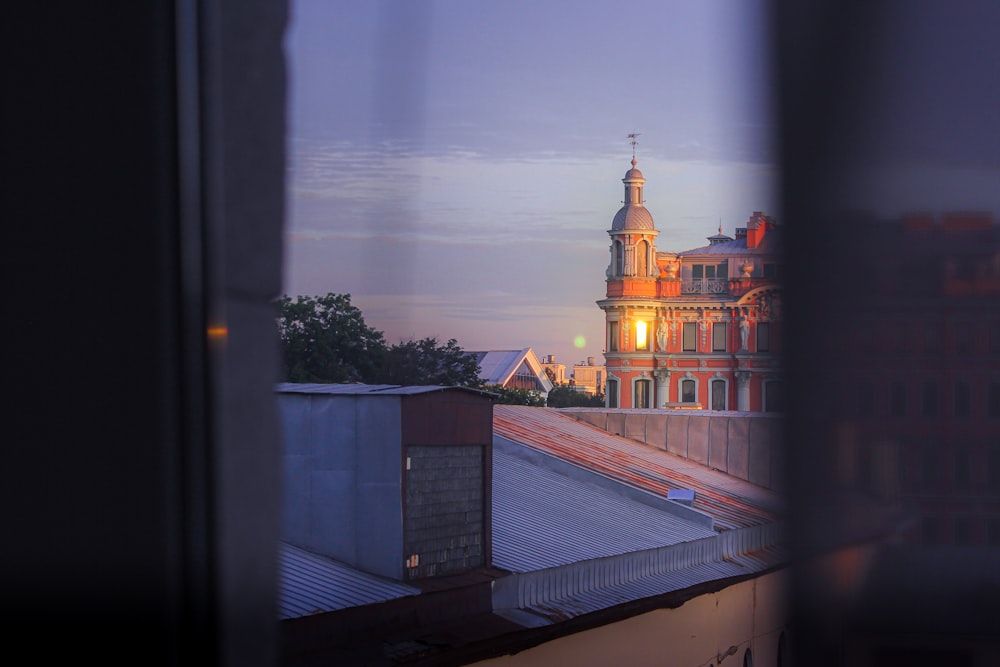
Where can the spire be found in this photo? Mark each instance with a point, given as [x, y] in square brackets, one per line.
[633, 139]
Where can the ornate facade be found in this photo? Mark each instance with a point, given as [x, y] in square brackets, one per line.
[699, 328]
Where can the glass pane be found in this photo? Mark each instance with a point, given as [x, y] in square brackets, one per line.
[719, 337]
[763, 336]
[718, 395]
[687, 391]
[690, 337]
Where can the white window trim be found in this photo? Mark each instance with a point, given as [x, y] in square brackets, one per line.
[652, 388]
[618, 393]
[718, 376]
[680, 385]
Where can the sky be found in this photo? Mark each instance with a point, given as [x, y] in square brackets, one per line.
[454, 165]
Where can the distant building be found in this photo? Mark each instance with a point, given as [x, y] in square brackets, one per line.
[700, 326]
[557, 370]
[588, 377]
[513, 369]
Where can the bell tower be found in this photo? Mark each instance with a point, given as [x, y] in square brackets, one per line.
[630, 307]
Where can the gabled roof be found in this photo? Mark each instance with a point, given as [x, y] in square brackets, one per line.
[498, 366]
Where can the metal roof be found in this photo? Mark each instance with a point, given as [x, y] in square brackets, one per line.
[542, 518]
[732, 502]
[358, 389]
[313, 584]
[497, 366]
[769, 244]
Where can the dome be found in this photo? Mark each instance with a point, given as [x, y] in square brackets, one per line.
[632, 216]
[633, 174]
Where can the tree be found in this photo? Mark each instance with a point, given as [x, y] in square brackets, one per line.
[325, 339]
[425, 362]
[566, 396]
[515, 396]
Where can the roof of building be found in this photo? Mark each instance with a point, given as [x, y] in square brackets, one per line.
[498, 366]
[632, 216]
[312, 584]
[359, 389]
[732, 502]
[582, 522]
[769, 244]
[544, 516]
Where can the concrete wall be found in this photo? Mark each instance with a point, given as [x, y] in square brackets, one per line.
[745, 445]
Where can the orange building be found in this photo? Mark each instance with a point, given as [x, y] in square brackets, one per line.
[699, 328]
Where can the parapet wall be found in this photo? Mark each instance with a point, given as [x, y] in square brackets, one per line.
[745, 445]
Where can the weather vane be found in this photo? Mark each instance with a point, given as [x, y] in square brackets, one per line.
[632, 139]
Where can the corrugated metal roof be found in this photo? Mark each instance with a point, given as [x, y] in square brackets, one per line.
[542, 518]
[357, 389]
[734, 503]
[313, 584]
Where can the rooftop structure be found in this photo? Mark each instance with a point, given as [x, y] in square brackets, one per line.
[570, 535]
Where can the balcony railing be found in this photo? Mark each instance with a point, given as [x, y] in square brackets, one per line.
[705, 286]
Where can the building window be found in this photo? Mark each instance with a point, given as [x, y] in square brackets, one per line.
[866, 398]
[897, 399]
[774, 400]
[962, 467]
[963, 399]
[697, 271]
[719, 337]
[719, 394]
[612, 336]
[961, 530]
[641, 335]
[763, 336]
[690, 342]
[929, 474]
[641, 394]
[688, 392]
[929, 528]
[641, 259]
[932, 337]
[618, 259]
[612, 393]
[993, 532]
[993, 467]
[963, 338]
[929, 399]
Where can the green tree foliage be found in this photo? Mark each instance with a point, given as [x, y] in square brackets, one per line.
[514, 396]
[424, 361]
[325, 339]
[565, 396]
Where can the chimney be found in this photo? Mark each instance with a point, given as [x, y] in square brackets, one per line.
[590, 361]
[756, 227]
